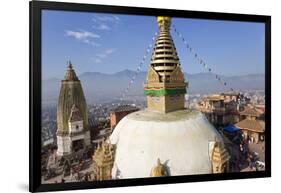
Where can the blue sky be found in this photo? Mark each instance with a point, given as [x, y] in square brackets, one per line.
[110, 43]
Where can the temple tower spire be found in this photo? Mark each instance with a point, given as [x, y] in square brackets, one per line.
[73, 131]
[165, 86]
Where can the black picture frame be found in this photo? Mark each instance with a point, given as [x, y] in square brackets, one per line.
[36, 8]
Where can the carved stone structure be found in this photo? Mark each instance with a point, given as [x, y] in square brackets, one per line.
[72, 116]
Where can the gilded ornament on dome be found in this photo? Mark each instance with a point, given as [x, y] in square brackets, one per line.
[159, 170]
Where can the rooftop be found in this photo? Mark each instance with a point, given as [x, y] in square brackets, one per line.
[252, 125]
[215, 97]
[124, 108]
[250, 111]
[230, 93]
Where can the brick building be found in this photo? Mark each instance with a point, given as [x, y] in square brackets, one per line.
[118, 113]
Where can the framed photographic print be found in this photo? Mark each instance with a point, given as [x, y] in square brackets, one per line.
[126, 96]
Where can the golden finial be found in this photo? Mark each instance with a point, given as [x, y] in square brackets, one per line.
[69, 64]
[164, 21]
[163, 18]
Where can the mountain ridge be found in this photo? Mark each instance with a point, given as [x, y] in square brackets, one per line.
[101, 86]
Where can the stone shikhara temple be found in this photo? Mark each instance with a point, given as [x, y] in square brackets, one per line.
[73, 132]
[165, 139]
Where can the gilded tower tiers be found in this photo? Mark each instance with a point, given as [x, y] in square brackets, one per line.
[165, 86]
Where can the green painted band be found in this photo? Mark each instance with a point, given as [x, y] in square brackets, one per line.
[163, 92]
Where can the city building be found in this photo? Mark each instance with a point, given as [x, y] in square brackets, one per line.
[165, 139]
[119, 112]
[221, 109]
[72, 116]
[251, 125]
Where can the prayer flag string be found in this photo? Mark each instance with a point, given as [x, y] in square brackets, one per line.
[198, 58]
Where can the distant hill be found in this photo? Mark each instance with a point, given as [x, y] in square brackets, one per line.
[100, 86]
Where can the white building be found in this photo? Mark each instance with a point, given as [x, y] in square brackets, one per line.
[77, 138]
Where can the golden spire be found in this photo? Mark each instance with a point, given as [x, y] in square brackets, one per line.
[165, 85]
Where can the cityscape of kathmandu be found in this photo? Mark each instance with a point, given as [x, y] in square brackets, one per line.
[142, 97]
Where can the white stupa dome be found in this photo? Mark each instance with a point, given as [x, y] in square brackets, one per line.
[183, 140]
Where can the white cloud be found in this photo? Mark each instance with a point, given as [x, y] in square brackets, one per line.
[97, 60]
[109, 51]
[105, 22]
[102, 27]
[103, 55]
[113, 18]
[83, 36]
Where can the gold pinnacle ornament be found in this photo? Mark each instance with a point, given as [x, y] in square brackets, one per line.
[165, 86]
